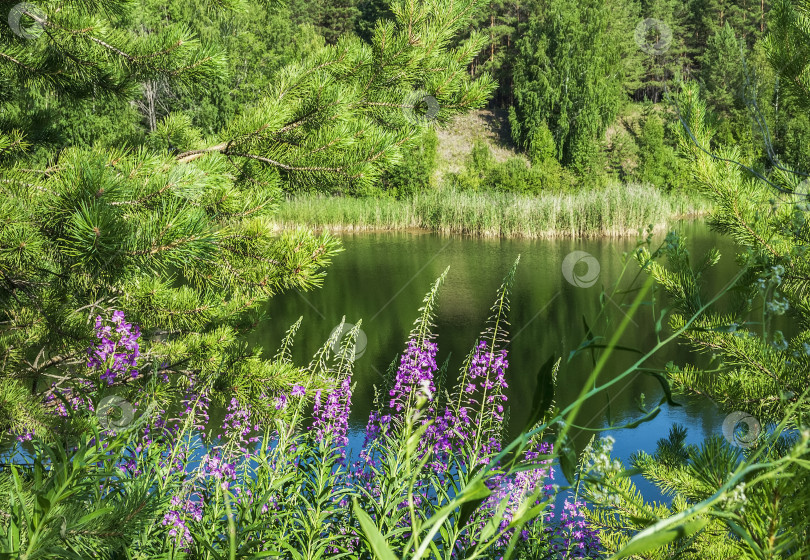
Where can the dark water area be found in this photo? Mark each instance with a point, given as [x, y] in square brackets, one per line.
[382, 279]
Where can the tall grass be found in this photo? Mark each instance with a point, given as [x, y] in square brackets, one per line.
[616, 210]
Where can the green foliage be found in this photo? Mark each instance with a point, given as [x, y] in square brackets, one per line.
[414, 173]
[787, 48]
[659, 163]
[542, 148]
[723, 503]
[726, 501]
[370, 12]
[722, 69]
[513, 175]
[499, 21]
[336, 18]
[177, 233]
[74, 504]
[568, 77]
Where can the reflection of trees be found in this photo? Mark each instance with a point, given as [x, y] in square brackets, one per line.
[375, 267]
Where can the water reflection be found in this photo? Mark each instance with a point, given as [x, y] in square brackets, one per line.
[382, 278]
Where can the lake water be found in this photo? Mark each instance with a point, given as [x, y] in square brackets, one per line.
[382, 278]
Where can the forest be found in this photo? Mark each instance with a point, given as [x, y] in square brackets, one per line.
[404, 279]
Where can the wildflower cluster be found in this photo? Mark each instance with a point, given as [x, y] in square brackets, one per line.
[216, 467]
[238, 427]
[77, 397]
[331, 417]
[417, 366]
[270, 486]
[473, 417]
[573, 537]
[483, 399]
[116, 352]
[178, 529]
[510, 491]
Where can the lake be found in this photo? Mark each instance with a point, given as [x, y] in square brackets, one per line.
[381, 278]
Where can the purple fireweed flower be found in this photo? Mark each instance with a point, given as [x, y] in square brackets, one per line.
[116, 353]
[215, 467]
[298, 391]
[192, 508]
[574, 532]
[331, 418]
[377, 425]
[177, 528]
[75, 396]
[479, 420]
[475, 414]
[237, 426]
[416, 369]
[509, 492]
[196, 402]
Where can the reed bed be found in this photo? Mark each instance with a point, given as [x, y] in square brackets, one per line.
[614, 211]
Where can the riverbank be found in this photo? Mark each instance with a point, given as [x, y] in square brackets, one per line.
[615, 211]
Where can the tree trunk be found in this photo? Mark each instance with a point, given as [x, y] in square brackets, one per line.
[762, 16]
[150, 92]
[491, 32]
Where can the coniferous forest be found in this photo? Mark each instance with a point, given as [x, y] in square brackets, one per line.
[183, 184]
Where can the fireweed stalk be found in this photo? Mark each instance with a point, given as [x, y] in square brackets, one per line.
[291, 487]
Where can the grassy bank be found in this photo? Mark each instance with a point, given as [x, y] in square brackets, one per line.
[611, 212]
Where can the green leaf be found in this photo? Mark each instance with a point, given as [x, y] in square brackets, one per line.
[646, 418]
[59, 552]
[543, 392]
[568, 461]
[664, 385]
[475, 492]
[416, 437]
[98, 513]
[378, 543]
[659, 323]
[467, 509]
[656, 539]
[618, 347]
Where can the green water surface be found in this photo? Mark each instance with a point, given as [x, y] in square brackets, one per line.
[382, 278]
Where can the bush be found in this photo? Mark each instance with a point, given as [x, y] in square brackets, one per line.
[514, 175]
[659, 163]
[414, 172]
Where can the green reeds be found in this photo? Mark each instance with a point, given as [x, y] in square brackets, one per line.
[613, 211]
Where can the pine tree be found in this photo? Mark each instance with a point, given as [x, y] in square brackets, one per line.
[336, 18]
[762, 370]
[177, 235]
[568, 74]
[498, 20]
[664, 53]
[370, 12]
[658, 163]
[727, 80]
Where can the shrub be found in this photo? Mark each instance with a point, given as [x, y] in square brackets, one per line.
[513, 175]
